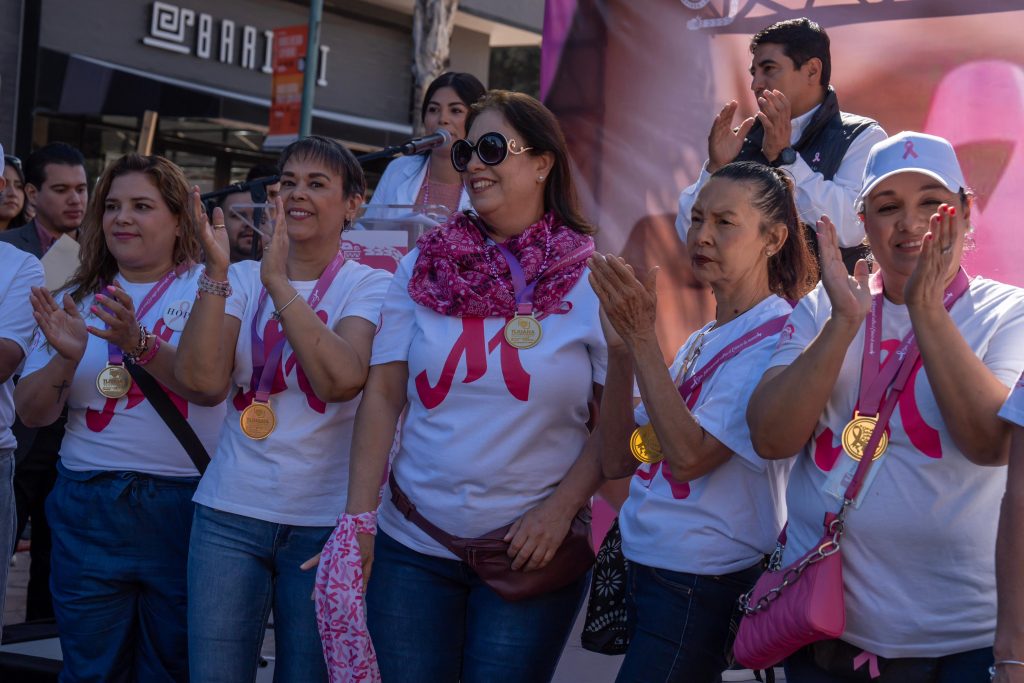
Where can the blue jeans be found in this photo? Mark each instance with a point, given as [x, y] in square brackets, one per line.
[238, 568]
[120, 546]
[432, 620]
[831, 661]
[8, 522]
[681, 624]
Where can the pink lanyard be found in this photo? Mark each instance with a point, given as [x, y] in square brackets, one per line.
[773, 326]
[114, 354]
[262, 379]
[874, 380]
[523, 292]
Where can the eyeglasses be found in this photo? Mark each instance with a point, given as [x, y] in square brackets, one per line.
[14, 161]
[491, 148]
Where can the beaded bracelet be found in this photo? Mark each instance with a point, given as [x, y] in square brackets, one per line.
[211, 286]
[150, 353]
[140, 346]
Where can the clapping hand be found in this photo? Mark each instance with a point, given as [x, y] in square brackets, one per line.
[938, 261]
[116, 309]
[775, 116]
[274, 266]
[630, 305]
[724, 141]
[62, 326]
[214, 238]
[850, 296]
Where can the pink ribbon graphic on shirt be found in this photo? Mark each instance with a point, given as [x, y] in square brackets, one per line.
[341, 604]
[908, 149]
[871, 660]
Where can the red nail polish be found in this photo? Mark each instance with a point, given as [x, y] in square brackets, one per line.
[952, 211]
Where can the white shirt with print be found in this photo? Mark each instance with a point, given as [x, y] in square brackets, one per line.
[299, 474]
[22, 272]
[919, 552]
[127, 433]
[726, 520]
[490, 430]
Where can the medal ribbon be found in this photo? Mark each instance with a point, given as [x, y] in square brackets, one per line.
[114, 354]
[260, 360]
[874, 380]
[523, 292]
[900, 366]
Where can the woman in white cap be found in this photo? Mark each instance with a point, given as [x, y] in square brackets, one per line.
[918, 342]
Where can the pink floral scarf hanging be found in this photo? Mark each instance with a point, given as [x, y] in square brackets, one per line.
[341, 606]
[458, 273]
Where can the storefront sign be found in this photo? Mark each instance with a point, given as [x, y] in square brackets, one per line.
[187, 32]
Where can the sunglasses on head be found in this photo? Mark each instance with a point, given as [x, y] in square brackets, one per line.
[490, 148]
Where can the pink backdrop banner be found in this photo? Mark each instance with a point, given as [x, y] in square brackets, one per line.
[636, 85]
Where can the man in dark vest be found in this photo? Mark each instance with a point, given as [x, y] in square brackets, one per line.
[798, 128]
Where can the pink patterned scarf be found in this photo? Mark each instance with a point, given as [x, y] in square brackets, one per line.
[459, 274]
[341, 606]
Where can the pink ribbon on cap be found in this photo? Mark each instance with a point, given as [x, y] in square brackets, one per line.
[908, 149]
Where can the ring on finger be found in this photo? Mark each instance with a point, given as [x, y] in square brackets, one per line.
[219, 226]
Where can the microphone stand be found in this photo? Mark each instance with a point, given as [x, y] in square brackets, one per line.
[257, 189]
[386, 153]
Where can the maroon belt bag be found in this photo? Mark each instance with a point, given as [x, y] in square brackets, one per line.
[488, 556]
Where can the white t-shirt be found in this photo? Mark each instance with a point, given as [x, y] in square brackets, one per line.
[1013, 409]
[919, 553]
[21, 272]
[127, 433]
[726, 520]
[299, 474]
[490, 430]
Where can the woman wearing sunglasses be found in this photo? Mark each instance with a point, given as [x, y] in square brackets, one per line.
[428, 179]
[491, 339]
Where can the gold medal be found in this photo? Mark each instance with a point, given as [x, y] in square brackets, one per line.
[114, 381]
[856, 434]
[258, 420]
[523, 332]
[644, 445]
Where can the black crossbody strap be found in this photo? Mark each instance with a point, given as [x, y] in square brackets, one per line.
[171, 416]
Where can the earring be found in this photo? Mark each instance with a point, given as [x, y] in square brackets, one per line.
[540, 179]
[768, 253]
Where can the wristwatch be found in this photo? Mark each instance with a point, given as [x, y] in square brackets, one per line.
[786, 157]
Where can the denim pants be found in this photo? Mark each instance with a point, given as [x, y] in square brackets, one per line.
[8, 522]
[433, 620]
[681, 625]
[238, 568]
[120, 546]
[831, 661]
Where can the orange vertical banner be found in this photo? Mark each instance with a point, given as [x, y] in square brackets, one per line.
[286, 88]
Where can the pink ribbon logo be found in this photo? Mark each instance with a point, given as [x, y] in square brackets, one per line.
[908, 149]
[817, 158]
[870, 659]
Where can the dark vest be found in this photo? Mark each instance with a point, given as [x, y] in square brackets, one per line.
[823, 144]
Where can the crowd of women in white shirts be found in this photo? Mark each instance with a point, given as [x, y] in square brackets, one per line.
[524, 371]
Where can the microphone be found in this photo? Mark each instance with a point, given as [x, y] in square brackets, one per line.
[416, 145]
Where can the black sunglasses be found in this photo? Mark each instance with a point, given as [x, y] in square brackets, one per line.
[491, 149]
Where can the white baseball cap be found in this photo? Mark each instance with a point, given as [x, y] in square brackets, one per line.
[912, 152]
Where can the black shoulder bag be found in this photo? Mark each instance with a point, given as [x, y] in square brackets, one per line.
[171, 416]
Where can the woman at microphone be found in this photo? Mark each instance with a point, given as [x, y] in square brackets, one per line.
[926, 353]
[288, 338]
[703, 508]
[428, 179]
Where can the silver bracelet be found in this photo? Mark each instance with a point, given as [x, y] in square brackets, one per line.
[1002, 662]
[276, 315]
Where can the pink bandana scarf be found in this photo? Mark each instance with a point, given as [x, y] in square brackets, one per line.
[458, 273]
[341, 605]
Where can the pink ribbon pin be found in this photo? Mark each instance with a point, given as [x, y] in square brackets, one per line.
[871, 660]
[817, 158]
[908, 149]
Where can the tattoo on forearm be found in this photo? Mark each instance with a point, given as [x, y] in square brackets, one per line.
[60, 390]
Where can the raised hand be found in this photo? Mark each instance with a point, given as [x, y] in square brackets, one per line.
[274, 266]
[850, 296]
[117, 310]
[938, 262]
[214, 238]
[724, 141]
[775, 116]
[630, 305]
[62, 326]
